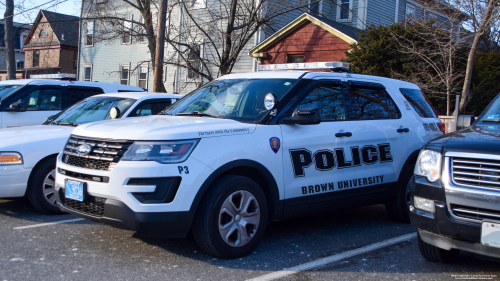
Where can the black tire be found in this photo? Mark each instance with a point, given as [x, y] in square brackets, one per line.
[397, 207]
[435, 254]
[206, 223]
[36, 186]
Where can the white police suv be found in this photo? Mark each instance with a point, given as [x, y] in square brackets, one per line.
[28, 154]
[246, 149]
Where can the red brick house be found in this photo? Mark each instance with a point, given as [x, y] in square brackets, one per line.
[52, 44]
[307, 38]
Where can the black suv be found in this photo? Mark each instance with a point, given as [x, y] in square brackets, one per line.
[455, 193]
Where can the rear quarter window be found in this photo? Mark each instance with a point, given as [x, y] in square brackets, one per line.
[419, 102]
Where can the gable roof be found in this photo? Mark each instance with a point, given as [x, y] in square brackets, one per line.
[345, 32]
[60, 24]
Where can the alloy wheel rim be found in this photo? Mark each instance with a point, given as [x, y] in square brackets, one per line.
[239, 218]
[48, 187]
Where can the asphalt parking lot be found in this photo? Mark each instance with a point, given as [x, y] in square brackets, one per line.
[78, 249]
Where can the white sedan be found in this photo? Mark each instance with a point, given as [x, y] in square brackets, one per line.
[28, 154]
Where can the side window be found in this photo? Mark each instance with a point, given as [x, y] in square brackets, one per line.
[77, 94]
[151, 108]
[43, 99]
[419, 102]
[366, 102]
[329, 100]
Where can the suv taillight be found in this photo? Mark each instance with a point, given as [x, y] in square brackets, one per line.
[442, 127]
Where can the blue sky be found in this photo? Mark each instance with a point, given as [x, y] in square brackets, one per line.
[69, 7]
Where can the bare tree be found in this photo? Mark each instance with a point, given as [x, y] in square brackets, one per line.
[484, 17]
[438, 47]
[9, 39]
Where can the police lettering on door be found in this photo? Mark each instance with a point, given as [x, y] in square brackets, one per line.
[325, 160]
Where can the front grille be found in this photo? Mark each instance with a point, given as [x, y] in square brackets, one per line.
[103, 156]
[95, 208]
[476, 214]
[476, 172]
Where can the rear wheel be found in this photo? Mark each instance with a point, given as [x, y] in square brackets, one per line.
[41, 187]
[398, 206]
[435, 254]
[232, 219]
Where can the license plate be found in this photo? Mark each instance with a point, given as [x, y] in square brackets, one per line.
[74, 190]
[490, 234]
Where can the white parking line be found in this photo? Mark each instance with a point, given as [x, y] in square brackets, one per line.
[45, 224]
[334, 258]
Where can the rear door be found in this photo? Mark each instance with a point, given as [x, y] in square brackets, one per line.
[41, 101]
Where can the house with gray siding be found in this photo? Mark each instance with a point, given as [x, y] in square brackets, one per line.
[126, 59]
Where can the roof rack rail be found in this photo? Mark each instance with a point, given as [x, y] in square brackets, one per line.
[333, 66]
[59, 76]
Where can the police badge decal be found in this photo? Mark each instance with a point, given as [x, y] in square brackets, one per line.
[275, 144]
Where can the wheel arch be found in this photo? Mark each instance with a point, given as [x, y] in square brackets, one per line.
[36, 167]
[412, 159]
[250, 169]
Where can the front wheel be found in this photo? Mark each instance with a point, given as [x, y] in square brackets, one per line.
[435, 254]
[232, 219]
[41, 187]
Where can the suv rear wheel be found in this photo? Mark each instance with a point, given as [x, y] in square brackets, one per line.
[435, 254]
[397, 207]
[41, 187]
[232, 219]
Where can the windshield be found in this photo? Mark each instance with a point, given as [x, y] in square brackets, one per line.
[7, 90]
[492, 112]
[237, 99]
[93, 109]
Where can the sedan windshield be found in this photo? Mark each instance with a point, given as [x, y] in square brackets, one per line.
[91, 109]
[7, 90]
[238, 99]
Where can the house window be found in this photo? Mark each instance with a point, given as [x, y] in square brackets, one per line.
[43, 33]
[432, 17]
[19, 64]
[143, 38]
[89, 40]
[315, 6]
[194, 61]
[127, 31]
[87, 73]
[36, 58]
[124, 74]
[143, 76]
[410, 13]
[343, 10]
[295, 58]
[23, 38]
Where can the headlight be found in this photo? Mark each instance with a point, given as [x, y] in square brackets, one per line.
[429, 165]
[165, 152]
[10, 158]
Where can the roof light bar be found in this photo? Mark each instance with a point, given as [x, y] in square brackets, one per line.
[304, 66]
[53, 76]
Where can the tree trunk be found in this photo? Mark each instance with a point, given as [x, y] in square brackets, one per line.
[448, 103]
[470, 61]
[160, 48]
[10, 56]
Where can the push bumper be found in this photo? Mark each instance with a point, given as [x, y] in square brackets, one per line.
[441, 229]
[119, 215]
[13, 181]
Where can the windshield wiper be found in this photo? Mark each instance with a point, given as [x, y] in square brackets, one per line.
[66, 123]
[51, 121]
[196, 113]
[497, 120]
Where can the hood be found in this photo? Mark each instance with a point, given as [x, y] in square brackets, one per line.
[163, 128]
[483, 139]
[17, 138]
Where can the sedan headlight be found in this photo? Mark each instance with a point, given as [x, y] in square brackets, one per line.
[10, 158]
[165, 152]
[429, 165]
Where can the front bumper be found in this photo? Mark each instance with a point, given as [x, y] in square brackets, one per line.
[13, 180]
[117, 214]
[442, 229]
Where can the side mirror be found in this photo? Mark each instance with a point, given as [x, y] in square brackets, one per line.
[114, 112]
[465, 121]
[17, 107]
[303, 116]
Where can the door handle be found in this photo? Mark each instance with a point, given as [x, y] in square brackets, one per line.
[346, 134]
[403, 130]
